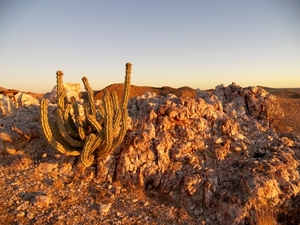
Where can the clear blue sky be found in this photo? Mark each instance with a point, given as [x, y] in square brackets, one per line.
[196, 43]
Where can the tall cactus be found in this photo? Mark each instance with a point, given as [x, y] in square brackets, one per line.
[101, 129]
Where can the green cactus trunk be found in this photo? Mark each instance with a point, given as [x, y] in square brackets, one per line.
[74, 134]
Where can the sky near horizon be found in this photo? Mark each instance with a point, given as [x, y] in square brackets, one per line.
[196, 43]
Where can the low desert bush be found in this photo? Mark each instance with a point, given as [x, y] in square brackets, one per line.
[265, 216]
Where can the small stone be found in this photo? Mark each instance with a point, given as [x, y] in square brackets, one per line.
[118, 190]
[30, 215]
[42, 201]
[60, 217]
[104, 208]
[46, 167]
[10, 148]
[20, 214]
[44, 155]
[65, 169]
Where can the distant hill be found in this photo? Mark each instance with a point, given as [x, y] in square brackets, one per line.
[2, 89]
[140, 90]
[165, 90]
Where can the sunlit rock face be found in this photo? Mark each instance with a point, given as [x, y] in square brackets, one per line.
[217, 155]
[72, 89]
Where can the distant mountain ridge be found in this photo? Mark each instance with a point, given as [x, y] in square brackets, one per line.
[165, 90]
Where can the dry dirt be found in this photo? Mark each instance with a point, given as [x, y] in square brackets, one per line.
[44, 187]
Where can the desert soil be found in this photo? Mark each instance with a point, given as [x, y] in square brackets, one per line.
[44, 187]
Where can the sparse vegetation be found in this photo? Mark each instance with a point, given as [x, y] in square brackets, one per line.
[265, 216]
[92, 131]
[274, 112]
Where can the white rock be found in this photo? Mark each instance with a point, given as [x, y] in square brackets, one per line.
[25, 99]
[104, 208]
[6, 105]
[42, 201]
[72, 89]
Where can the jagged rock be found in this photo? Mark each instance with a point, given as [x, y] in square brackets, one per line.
[104, 208]
[46, 167]
[42, 201]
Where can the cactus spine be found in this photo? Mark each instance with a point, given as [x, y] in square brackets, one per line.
[86, 135]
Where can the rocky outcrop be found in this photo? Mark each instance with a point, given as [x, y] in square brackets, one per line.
[217, 155]
[8, 104]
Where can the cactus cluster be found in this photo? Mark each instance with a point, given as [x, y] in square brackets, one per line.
[92, 133]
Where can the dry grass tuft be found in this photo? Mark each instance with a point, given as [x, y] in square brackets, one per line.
[265, 216]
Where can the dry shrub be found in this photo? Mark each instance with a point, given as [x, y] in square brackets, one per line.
[274, 113]
[265, 216]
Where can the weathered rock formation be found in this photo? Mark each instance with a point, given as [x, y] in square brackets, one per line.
[216, 155]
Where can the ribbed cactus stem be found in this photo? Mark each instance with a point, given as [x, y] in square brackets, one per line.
[59, 81]
[8, 105]
[87, 157]
[69, 122]
[90, 95]
[82, 133]
[126, 85]
[2, 109]
[51, 135]
[108, 138]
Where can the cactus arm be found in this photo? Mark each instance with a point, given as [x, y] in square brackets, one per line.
[126, 86]
[86, 156]
[108, 137]
[64, 132]
[79, 120]
[61, 93]
[123, 130]
[115, 101]
[94, 123]
[101, 111]
[50, 133]
[90, 95]
[123, 109]
[69, 122]
[2, 109]
[59, 82]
